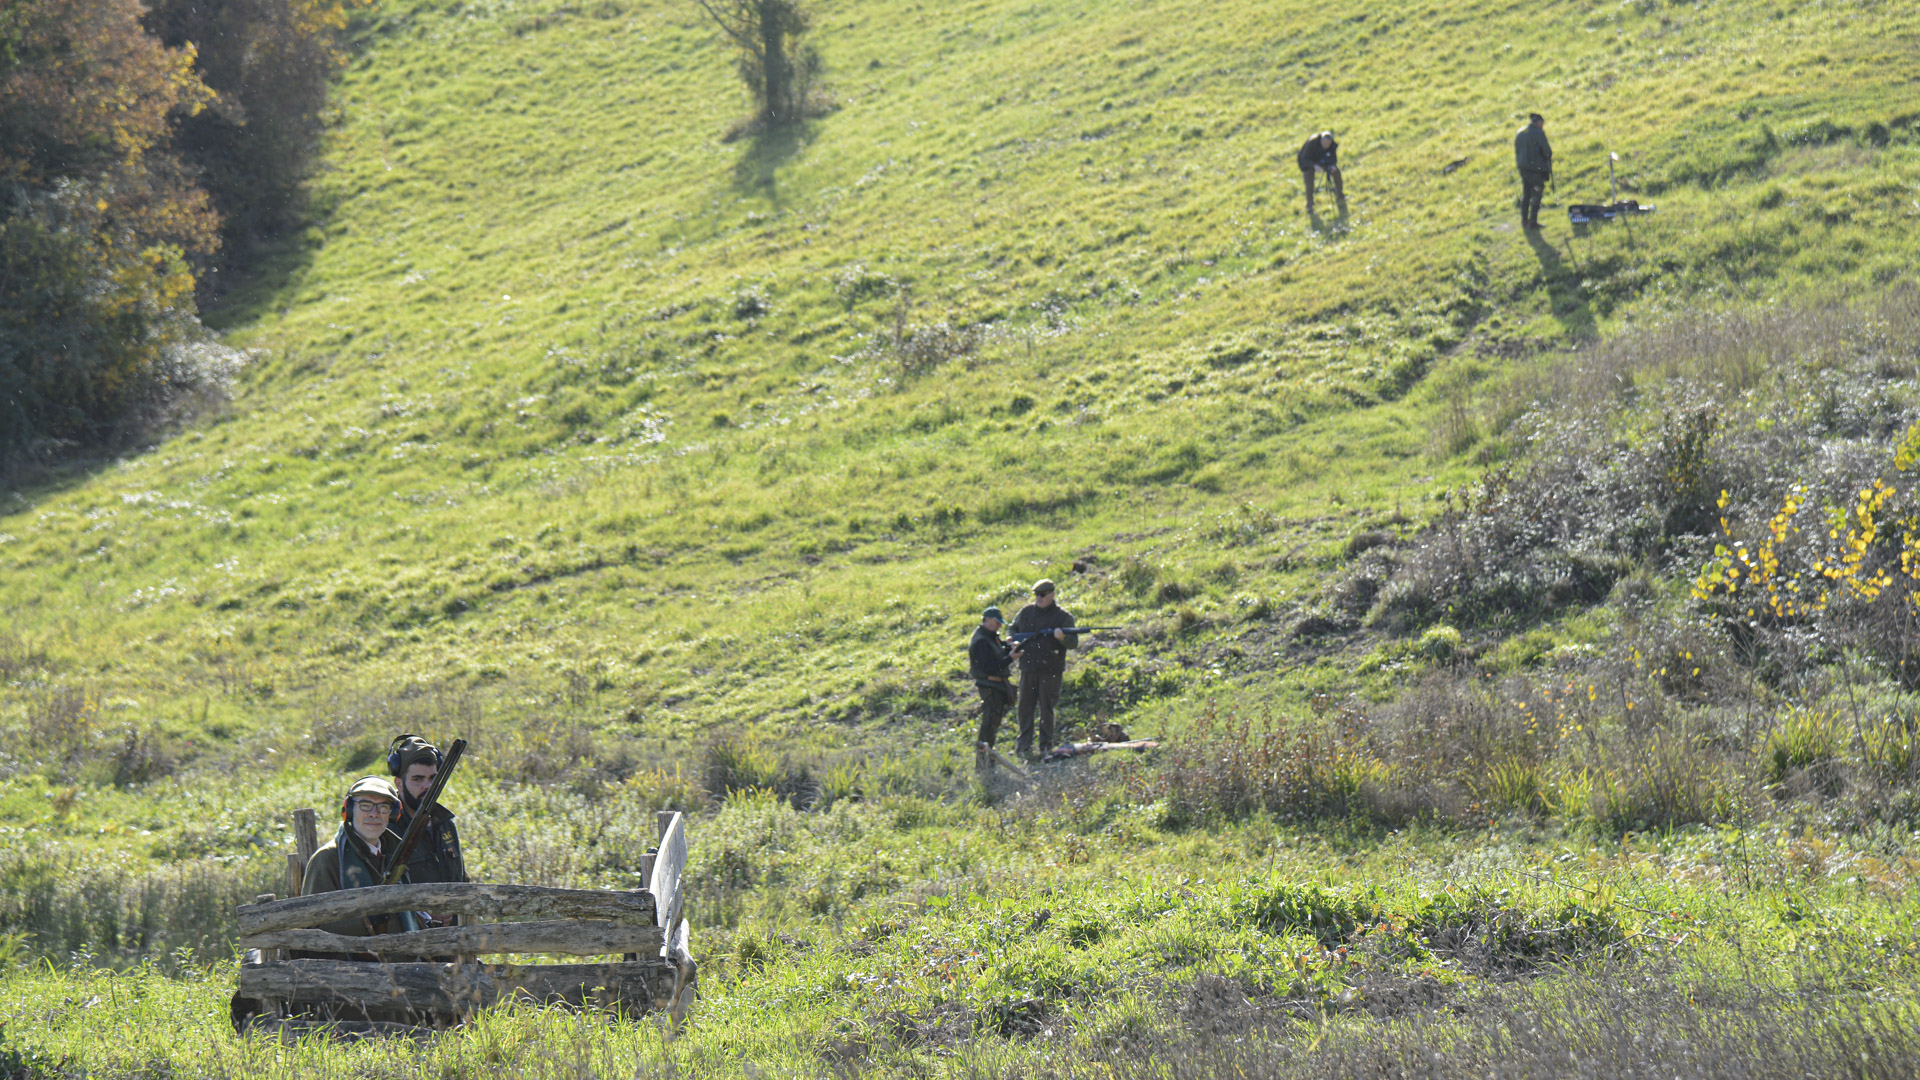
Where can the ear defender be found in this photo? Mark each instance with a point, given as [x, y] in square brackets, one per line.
[396, 762]
[394, 767]
[346, 810]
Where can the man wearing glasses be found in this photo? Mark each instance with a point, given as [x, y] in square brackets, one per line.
[352, 859]
[415, 763]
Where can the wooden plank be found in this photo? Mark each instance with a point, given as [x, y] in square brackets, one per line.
[1071, 750]
[571, 937]
[473, 900]
[296, 874]
[306, 836]
[266, 955]
[677, 948]
[667, 868]
[451, 988]
[1001, 760]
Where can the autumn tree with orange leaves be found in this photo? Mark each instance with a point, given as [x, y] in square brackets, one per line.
[97, 217]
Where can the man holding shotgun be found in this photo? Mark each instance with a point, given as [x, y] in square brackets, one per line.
[415, 763]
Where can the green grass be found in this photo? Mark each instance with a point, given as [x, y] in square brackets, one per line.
[578, 430]
[566, 391]
[889, 936]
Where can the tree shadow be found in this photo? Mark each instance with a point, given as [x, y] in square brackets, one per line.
[252, 284]
[769, 147]
[1569, 300]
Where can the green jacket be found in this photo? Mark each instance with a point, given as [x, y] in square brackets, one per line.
[1532, 152]
[345, 862]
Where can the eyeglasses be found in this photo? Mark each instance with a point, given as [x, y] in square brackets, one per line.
[376, 807]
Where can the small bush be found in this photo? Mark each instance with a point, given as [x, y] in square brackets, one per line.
[1366, 540]
[1486, 933]
[1441, 643]
[1805, 740]
[1229, 767]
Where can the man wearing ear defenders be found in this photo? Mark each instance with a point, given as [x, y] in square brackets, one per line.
[414, 763]
[352, 859]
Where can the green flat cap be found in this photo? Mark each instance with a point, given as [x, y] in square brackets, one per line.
[1043, 587]
[992, 613]
[374, 787]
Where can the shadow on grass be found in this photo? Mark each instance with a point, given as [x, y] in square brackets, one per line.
[1335, 227]
[255, 282]
[1570, 304]
[768, 148]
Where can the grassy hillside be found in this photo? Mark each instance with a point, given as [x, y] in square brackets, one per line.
[667, 466]
[566, 391]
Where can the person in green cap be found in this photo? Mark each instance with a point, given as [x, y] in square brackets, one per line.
[1043, 663]
[1533, 156]
[353, 858]
[989, 660]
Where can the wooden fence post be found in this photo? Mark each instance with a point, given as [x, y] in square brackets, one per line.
[306, 841]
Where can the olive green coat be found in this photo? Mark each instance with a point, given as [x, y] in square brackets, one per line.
[1532, 153]
[354, 867]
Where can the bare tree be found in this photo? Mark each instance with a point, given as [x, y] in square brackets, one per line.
[776, 66]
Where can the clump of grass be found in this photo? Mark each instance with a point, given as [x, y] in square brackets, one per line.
[737, 763]
[1805, 740]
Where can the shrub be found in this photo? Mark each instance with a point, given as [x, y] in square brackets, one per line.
[1440, 642]
[1137, 575]
[66, 903]
[1487, 933]
[1229, 767]
[1674, 779]
[1805, 739]
[271, 63]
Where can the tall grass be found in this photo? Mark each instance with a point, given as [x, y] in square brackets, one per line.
[66, 904]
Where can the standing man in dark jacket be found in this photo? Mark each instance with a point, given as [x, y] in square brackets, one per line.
[1533, 155]
[1043, 663]
[1321, 154]
[415, 763]
[989, 661]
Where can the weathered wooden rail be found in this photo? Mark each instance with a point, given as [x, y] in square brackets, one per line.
[433, 977]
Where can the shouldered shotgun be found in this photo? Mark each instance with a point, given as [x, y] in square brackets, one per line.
[397, 862]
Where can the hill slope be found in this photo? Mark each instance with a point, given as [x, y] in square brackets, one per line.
[573, 405]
